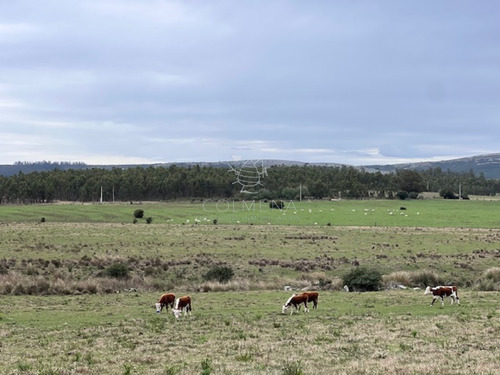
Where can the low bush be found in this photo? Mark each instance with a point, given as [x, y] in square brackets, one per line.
[363, 279]
[139, 213]
[118, 270]
[221, 274]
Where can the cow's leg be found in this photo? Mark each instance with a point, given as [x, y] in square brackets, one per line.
[306, 309]
[433, 300]
[442, 301]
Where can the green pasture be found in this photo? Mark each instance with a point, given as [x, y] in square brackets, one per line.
[245, 333]
[426, 213]
[61, 314]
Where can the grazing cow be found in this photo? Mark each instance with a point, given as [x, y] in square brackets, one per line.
[313, 297]
[441, 292]
[296, 300]
[182, 304]
[165, 300]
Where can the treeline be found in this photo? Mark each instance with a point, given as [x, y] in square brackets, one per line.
[281, 182]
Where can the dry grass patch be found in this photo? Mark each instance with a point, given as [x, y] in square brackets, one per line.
[388, 332]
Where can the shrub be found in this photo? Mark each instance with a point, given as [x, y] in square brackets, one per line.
[117, 270]
[402, 195]
[363, 279]
[219, 273]
[447, 194]
[139, 214]
[277, 204]
[149, 220]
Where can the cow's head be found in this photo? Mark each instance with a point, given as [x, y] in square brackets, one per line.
[427, 290]
[284, 308]
[158, 307]
[176, 313]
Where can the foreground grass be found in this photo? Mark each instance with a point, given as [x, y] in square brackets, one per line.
[245, 333]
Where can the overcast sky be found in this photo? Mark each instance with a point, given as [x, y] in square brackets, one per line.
[354, 82]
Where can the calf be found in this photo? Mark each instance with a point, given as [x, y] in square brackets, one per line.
[441, 292]
[296, 300]
[165, 301]
[182, 304]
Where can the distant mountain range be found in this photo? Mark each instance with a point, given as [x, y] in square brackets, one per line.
[488, 165]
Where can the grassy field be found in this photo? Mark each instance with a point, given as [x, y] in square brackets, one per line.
[427, 213]
[61, 314]
[390, 332]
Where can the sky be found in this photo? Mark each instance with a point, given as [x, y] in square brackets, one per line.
[159, 81]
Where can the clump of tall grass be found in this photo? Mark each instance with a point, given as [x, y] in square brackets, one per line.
[493, 274]
[421, 279]
[19, 284]
[490, 280]
[397, 278]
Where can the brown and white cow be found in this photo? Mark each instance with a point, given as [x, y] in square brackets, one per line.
[313, 297]
[441, 292]
[296, 300]
[182, 304]
[165, 301]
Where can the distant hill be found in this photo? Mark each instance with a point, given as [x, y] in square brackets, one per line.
[488, 165]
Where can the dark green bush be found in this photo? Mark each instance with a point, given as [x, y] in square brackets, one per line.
[219, 273]
[363, 279]
[447, 194]
[277, 204]
[117, 270]
[402, 195]
[139, 214]
[149, 220]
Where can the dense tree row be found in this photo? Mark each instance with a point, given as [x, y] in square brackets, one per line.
[160, 183]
